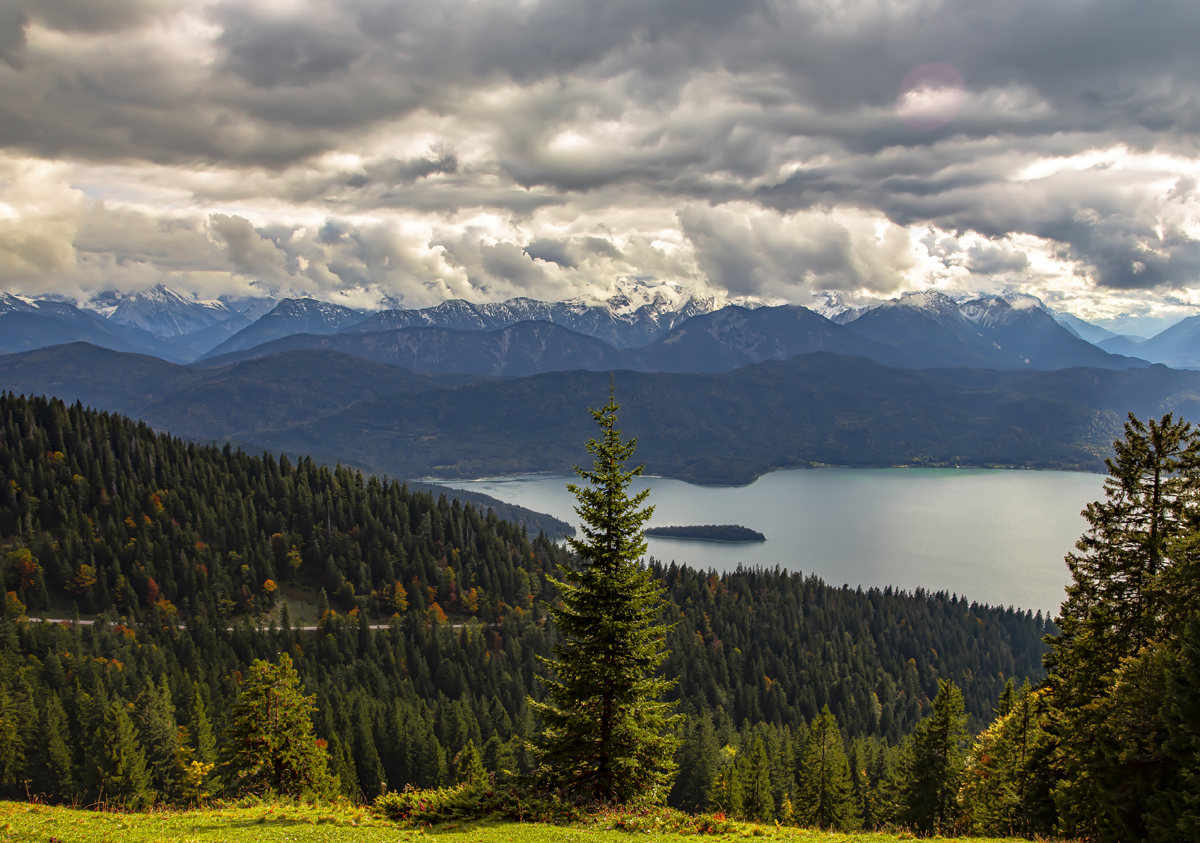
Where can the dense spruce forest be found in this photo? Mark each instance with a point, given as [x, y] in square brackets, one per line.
[428, 618]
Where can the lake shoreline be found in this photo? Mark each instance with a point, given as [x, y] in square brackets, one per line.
[443, 481]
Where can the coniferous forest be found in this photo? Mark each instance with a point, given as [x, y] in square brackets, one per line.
[809, 704]
[431, 616]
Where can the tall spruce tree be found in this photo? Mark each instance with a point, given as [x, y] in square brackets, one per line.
[14, 740]
[699, 756]
[930, 772]
[1008, 772]
[825, 797]
[758, 802]
[52, 775]
[1133, 583]
[159, 736]
[725, 792]
[121, 766]
[469, 767]
[1174, 809]
[607, 733]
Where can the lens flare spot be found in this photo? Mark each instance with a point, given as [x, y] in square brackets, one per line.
[930, 96]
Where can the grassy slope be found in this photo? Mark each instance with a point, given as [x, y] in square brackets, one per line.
[269, 823]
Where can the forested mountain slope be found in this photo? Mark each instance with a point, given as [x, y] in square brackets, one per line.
[211, 403]
[526, 348]
[178, 545]
[712, 342]
[930, 330]
[732, 427]
[725, 428]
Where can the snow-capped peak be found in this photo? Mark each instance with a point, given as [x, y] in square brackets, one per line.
[13, 303]
[1016, 300]
[628, 295]
[833, 306]
[989, 308]
[315, 316]
[933, 302]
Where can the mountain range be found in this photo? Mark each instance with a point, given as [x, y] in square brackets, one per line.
[635, 325]
[621, 322]
[921, 331]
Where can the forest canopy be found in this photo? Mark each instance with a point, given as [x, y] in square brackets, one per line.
[195, 561]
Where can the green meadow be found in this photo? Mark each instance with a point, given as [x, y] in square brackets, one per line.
[298, 823]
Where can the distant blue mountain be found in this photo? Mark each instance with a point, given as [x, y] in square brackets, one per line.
[28, 324]
[1177, 346]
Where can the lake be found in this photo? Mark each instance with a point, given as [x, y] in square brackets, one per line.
[994, 536]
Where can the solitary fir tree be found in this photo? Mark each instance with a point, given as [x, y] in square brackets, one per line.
[269, 745]
[608, 735]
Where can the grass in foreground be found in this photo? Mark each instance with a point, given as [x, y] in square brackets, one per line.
[295, 823]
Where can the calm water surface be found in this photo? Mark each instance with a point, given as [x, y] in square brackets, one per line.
[995, 536]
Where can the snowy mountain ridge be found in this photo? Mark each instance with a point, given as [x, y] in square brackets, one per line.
[636, 315]
[162, 311]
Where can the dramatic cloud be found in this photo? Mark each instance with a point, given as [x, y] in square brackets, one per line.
[384, 149]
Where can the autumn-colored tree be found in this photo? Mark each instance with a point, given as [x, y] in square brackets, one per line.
[269, 745]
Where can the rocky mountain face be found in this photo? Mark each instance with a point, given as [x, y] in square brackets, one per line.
[291, 316]
[735, 336]
[932, 330]
[833, 306]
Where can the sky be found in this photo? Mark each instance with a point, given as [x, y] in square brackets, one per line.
[386, 151]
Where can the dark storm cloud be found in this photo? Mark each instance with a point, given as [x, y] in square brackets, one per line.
[525, 106]
[757, 254]
[996, 259]
[339, 67]
[551, 251]
[13, 21]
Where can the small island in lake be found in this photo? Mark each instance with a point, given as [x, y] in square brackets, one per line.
[708, 533]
